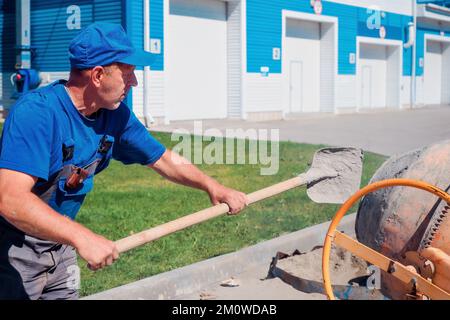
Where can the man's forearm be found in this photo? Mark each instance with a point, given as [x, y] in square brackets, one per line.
[30, 214]
[177, 169]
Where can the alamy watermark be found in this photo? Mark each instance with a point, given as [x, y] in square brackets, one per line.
[231, 148]
[374, 279]
[73, 281]
[374, 17]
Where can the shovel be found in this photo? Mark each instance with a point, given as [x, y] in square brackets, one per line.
[334, 175]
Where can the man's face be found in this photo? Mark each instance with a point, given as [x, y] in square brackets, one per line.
[115, 85]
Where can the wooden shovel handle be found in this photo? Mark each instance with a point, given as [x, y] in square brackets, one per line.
[157, 232]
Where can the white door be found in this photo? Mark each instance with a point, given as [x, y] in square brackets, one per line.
[373, 57]
[196, 60]
[295, 86]
[366, 87]
[303, 46]
[433, 73]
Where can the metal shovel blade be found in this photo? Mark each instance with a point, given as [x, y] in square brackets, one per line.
[335, 174]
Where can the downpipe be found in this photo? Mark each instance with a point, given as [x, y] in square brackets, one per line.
[147, 116]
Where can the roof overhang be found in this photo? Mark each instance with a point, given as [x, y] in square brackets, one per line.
[433, 11]
[433, 16]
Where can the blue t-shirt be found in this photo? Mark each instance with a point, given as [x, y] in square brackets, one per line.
[41, 122]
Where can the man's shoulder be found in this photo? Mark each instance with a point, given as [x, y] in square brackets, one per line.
[41, 101]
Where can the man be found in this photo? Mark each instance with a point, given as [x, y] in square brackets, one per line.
[54, 141]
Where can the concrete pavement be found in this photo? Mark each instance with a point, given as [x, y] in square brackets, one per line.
[383, 132]
[250, 265]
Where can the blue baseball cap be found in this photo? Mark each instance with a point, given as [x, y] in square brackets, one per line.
[103, 43]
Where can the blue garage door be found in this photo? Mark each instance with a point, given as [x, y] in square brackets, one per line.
[54, 23]
[7, 35]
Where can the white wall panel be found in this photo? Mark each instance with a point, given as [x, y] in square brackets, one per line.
[303, 47]
[138, 95]
[196, 60]
[433, 73]
[156, 94]
[49, 77]
[434, 86]
[309, 62]
[393, 72]
[234, 59]
[372, 69]
[262, 93]
[446, 74]
[406, 92]
[420, 97]
[327, 63]
[379, 73]
[345, 91]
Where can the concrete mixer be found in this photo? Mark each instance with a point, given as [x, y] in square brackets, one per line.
[403, 225]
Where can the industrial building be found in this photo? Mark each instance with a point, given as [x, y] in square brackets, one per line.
[245, 59]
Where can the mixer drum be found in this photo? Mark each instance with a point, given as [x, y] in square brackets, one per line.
[393, 220]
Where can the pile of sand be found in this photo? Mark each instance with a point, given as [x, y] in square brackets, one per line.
[350, 276]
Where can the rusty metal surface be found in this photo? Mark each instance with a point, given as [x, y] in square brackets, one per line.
[438, 231]
[396, 220]
[422, 266]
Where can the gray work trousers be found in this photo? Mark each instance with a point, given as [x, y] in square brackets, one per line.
[32, 269]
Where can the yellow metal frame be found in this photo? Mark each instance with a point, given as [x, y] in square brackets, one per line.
[332, 232]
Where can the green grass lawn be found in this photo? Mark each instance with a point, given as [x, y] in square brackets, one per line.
[129, 199]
